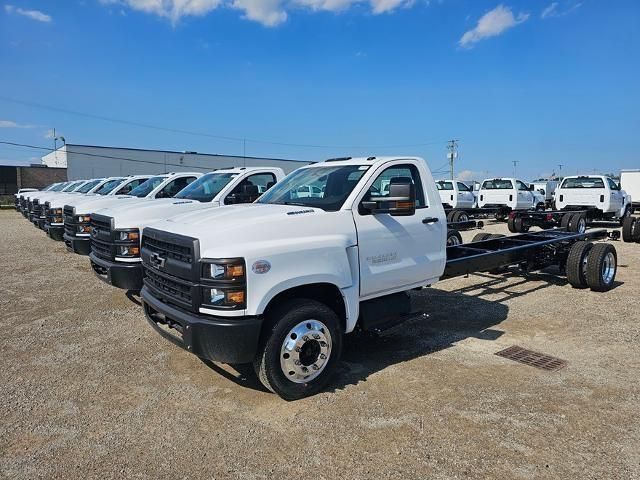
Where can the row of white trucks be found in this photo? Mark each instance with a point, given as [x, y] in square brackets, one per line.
[245, 265]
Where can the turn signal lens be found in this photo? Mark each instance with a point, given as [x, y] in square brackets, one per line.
[234, 271]
[235, 297]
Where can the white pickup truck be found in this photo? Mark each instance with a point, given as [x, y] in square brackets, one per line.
[507, 195]
[77, 217]
[36, 200]
[115, 239]
[456, 195]
[279, 282]
[54, 223]
[598, 195]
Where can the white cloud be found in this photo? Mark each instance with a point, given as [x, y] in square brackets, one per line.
[12, 124]
[492, 24]
[554, 10]
[267, 12]
[32, 14]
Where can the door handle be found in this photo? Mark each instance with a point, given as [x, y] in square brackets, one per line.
[429, 220]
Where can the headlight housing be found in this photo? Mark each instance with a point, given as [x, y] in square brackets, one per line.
[128, 242]
[224, 283]
[83, 218]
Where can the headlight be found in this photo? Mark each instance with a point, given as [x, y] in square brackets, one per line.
[128, 251]
[222, 297]
[83, 218]
[84, 229]
[229, 270]
[56, 211]
[133, 235]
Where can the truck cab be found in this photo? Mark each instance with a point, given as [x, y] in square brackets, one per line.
[280, 281]
[456, 195]
[596, 193]
[508, 194]
[54, 224]
[115, 239]
[77, 220]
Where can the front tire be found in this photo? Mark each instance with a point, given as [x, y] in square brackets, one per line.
[300, 349]
[602, 266]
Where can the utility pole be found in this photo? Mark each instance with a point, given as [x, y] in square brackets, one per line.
[515, 164]
[452, 146]
[560, 171]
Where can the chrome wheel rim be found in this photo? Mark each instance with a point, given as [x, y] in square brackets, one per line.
[305, 351]
[608, 268]
[463, 217]
[582, 225]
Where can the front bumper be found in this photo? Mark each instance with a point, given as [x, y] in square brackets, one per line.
[127, 276]
[56, 232]
[219, 339]
[79, 245]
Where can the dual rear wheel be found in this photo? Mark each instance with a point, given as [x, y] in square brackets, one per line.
[592, 265]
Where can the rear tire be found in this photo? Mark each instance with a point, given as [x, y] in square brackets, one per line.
[453, 238]
[564, 222]
[450, 216]
[462, 216]
[630, 229]
[602, 266]
[511, 225]
[312, 319]
[478, 237]
[577, 223]
[577, 263]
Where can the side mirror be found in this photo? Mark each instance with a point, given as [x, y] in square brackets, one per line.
[532, 187]
[249, 194]
[401, 201]
[163, 194]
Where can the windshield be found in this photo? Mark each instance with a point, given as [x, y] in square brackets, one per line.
[583, 182]
[147, 187]
[108, 186]
[206, 187]
[58, 187]
[319, 187]
[89, 186]
[71, 187]
[441, 185]
[497, 184]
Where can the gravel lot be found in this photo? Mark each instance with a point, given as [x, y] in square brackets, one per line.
[89, 390]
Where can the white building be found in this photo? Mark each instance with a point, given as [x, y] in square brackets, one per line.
[91, 161]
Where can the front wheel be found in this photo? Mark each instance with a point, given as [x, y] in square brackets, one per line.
[300, 350]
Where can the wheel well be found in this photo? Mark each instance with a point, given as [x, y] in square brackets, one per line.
[325, 293]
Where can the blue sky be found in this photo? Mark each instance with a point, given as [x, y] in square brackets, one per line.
[540, 82]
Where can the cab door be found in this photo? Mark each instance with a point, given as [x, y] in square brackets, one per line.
[465, 196]
[616, 197]
[525, 196]
[399, 252]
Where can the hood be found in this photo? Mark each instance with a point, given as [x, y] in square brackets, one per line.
[88, 205]
[143, 213]
[254, 230]
[51, 196]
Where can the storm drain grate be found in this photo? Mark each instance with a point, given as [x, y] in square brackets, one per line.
[535, 359]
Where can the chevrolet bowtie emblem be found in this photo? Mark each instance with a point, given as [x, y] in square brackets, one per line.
[157, 260]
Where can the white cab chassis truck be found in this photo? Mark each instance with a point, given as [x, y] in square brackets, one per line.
[507, 195]
[22, 196]
[53, 209]
[278, 283]
[115, 236]
[582, 200]
[77, 220]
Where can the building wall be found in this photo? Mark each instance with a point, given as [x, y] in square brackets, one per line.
[13, 178]
[92, 161]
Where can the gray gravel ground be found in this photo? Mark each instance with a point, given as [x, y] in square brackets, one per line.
[89, 390]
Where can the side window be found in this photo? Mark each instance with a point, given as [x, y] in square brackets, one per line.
[175, 186]
[521, 186]
[613, 185]
[463, 188]
[380, 187]
[129, 186]
[263, 181]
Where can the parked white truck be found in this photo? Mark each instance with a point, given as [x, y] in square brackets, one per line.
[77, 220]
[456, 195]
[630, 183]
[507, 195]
[279, 282]
[54, 223]
[115, 237]
[599, 195]
[36, 200]
[547, 189]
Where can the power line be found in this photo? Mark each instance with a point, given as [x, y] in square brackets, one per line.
[205, 134]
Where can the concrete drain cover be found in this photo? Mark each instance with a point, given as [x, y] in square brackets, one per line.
[535, 359]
